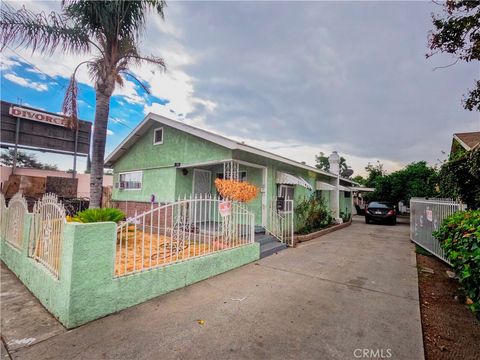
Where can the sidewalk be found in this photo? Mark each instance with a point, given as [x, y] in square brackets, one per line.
[352, 289]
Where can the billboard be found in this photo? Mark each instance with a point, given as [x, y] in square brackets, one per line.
[41, 130]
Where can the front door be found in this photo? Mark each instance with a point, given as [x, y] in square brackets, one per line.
[202, 182]
[202, 185]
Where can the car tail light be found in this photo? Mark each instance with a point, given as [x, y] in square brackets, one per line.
[391, 212]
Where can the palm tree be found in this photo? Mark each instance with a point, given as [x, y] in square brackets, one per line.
[110, 30]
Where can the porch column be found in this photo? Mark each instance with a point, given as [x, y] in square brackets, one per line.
[334, 161]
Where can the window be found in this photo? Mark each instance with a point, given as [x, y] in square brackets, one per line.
[131, 180]
[158, 136]
[242, 176]
[286, 192]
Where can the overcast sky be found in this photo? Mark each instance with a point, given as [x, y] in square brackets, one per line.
[293, 78]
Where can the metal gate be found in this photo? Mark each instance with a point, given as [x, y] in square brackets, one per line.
[280, 220]
[426, 216]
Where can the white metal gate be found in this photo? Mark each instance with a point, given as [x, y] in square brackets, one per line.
[17, 208]
[280, 220]
[426, 216]
[180, 231]
[47, 232]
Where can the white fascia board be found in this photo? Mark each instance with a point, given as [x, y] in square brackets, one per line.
[465, 146]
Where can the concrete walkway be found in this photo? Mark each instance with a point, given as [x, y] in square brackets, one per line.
[353, 289]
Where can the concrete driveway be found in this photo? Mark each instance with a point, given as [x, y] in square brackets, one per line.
[346, 295]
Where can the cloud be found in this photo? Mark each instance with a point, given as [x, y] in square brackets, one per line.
[25, 82]
[343, 77]
[110, 132]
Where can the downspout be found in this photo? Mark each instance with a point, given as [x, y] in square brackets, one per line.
[334, 162]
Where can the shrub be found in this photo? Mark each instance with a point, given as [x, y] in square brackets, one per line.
[459, 237]
[312, 214]
[98, 215]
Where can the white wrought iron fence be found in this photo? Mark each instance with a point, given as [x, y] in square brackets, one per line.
[15, 218]
[47, 232]
[280, 220]
[426, 216]
[3, 216]
[182, 230]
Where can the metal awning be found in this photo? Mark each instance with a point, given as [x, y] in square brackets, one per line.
[362, 189]
[289, 179]
[320, 185]
[344, 188]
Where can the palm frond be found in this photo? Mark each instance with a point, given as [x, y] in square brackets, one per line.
[40, 31]
[69, 106]
[116, 19]
[144, 87]
[70, 100]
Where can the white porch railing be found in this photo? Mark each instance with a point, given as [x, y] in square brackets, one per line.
[15, 216]
[182, 230]
[280, 222]
[47, 232]
[426, 216]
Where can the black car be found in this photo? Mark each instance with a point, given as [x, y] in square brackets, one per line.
[380, 211]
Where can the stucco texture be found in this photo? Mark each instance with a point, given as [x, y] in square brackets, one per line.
[87, 289]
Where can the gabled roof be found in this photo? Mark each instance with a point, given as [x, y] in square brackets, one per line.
[151, 119]
[467, 140]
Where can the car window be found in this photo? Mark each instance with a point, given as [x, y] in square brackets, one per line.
[379, 205]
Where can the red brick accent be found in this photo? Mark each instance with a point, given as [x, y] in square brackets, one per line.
[129, 208]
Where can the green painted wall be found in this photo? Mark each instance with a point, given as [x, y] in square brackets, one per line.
[53, 293]
[87, 290]
[160, 177]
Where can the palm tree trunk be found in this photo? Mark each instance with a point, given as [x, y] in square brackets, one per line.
[102, 108]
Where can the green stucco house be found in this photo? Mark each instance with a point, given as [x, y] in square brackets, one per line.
[163, 160]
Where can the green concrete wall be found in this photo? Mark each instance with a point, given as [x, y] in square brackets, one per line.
[86, 288]
[53, 293]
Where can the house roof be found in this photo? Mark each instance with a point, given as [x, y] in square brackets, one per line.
[151, 119]
[468, 140]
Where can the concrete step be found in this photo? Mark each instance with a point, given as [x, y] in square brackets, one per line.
[264, 238]
[259, 229]
[271, 248]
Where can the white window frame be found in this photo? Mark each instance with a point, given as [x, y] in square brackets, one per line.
[130, 172]
[285, 186]
[154, 136]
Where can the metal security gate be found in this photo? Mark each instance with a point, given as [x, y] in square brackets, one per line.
[280, 220]
[426, 216]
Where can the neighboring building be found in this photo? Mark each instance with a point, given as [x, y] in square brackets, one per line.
[463, 142]
[83, 186]
[170, 159]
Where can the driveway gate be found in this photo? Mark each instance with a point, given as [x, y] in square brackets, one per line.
[426, 216]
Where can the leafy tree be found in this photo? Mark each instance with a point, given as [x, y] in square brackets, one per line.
[109, 29]
[360, 179]
[374, 173]
[25, 160]
[458, 33]
[322, 163]
[460, 179]
[415, 180]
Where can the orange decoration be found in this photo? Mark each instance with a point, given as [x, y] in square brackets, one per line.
[236, 190]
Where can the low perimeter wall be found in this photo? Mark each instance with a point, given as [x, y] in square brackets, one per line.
[86, 288]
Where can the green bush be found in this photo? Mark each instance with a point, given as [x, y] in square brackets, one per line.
[459, 237]
[312, 214]
[99, 215]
